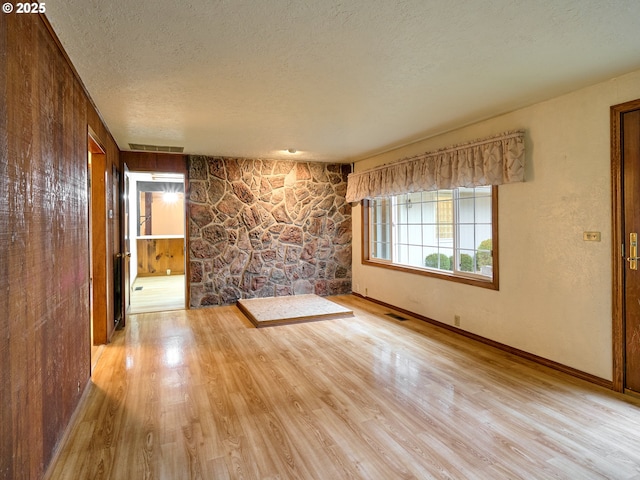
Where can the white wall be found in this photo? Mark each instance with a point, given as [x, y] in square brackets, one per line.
[555, 289]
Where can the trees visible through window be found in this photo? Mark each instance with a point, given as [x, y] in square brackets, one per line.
[450, 233]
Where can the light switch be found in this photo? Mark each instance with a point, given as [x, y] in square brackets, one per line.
[591, 236]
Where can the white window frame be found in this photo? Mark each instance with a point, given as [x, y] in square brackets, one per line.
[455, 274]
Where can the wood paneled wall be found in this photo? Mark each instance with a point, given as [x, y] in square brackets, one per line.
[157, 255]
[44, 257]
[155, 162]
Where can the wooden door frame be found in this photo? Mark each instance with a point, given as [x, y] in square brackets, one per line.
[617, 238]
[148, 162]
[99, 234]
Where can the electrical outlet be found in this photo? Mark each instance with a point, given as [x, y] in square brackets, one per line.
[456, 320]
[357, 288]
[366, 292]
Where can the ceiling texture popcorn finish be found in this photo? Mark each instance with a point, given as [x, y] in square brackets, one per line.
[338, 81]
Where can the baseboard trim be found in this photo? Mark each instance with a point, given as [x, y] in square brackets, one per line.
[632, 393]
[501, 346]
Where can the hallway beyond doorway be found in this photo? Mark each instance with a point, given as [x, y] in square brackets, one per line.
[157, 294]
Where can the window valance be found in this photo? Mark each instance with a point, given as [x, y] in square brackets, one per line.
[491, 161]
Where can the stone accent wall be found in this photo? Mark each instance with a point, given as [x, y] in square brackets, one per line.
[264, 228]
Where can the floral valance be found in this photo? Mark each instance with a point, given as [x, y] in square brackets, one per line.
[492, 161]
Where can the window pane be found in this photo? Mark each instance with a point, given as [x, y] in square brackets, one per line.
[484, 256]
[446, 256]
[381, 251]
[446, 243]
[381, 233]
[381, 228]
[483, 210]
[403, 234]
[445, 211]
[429, 212]
[414, 213]
[438, 260]
[445, 214]
[445, 230]
[430, 196]
[426, 251]
[467, 238]
[415, 256]
[483, 232]
[467, 261]
[482, 192]
[466, 210]
[415, 234]
[401, 213]
[429, 235]
[402, 254]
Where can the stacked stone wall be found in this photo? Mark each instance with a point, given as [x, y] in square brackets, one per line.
[265, 228]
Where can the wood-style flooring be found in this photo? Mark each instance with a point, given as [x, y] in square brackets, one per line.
[157, 294]
[203, 394]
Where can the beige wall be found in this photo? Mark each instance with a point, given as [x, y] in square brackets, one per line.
[555, 289]
[167, 218]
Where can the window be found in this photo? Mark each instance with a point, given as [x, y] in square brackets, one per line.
[451, 234]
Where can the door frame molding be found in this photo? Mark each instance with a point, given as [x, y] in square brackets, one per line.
[99, 239]
[617, 240]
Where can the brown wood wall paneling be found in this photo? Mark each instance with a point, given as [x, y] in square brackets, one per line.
[155, 162]
[44, 287]
[157, 255]
[6, 420]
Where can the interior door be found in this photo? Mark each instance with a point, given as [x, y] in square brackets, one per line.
[126, 251]
[630, 146]
[116, 226]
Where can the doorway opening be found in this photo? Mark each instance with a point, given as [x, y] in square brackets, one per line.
[157, 280]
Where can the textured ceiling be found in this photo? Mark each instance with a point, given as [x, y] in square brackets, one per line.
[337, 80]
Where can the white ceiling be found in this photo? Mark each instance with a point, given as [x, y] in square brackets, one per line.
[337, 80]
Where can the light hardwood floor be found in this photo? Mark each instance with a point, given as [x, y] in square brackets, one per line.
[158, 294]
[204, 394]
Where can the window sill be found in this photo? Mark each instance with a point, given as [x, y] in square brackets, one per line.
[491, 284]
